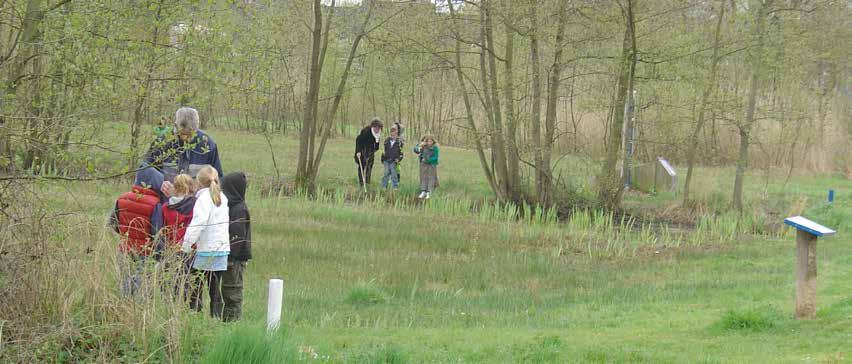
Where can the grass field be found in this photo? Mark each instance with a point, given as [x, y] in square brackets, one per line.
[378, 282]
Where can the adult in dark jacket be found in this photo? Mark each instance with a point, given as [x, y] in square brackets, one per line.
[234, 188]
[186, 150]
[366, 146]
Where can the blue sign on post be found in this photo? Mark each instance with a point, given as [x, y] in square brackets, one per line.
[801, 223]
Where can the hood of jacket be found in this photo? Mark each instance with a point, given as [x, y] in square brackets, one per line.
[149, 177]
[183, 206]
[234, 187]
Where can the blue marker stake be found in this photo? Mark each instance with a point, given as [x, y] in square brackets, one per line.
[830, 196]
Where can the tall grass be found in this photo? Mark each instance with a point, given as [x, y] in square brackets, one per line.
[383, 278]
[62, 301]
[601, 233]
[249, 344]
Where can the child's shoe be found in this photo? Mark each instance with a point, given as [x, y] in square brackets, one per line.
[427, 196]
[422, 195]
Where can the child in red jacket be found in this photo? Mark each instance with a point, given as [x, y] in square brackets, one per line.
[138, 218]
[177, 214]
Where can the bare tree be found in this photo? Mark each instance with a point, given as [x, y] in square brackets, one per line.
[25, 51]
[303, 179]
[541, 182]
[706, 95]
[511, 137]
[310, 155]
[477, 137]
[140, 111]
[554, 79]
[745, 126]
[611, 186]
[491, 101]
[313, 165]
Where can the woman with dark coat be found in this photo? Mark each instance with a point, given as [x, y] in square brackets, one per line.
[366, 146]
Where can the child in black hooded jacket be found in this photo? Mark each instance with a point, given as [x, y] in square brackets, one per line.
[234, 188]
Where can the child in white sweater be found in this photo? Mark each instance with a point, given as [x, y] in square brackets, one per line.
[207, 235]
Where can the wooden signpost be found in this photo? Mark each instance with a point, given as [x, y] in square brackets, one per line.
[807, 233]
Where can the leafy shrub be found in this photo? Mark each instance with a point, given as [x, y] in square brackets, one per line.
[753, 320]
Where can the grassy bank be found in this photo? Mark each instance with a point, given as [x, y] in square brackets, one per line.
[379, 282]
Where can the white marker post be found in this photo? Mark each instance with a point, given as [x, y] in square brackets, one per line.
[806, 265]
[273, 306]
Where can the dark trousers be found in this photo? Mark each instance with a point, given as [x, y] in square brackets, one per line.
[213, 281]
[365, 169]
[232, 290]
[179, 267]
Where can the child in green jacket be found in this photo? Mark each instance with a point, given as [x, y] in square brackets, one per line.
[428, 151]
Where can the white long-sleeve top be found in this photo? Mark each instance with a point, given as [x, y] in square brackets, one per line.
[208, 229]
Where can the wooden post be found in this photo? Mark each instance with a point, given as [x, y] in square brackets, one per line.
[806, 275]
[807, 233]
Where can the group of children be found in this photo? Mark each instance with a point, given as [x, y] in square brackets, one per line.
[204, 221]
[427, 150]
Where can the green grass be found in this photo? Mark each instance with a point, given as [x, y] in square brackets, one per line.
[248, 344]
[365, 294]
[754, 320]
[372, 282]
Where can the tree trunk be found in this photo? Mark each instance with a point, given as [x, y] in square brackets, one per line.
[553, 81]
[30, 34]
[139, 112]
[308, 176]
[611, 187]
[491, 103]
[313, 168]
[498, 144]
[512, 153]
[742, 164]
[575, 122]
[477, 138]
[535, 117]
[706, 95]
[746, 126]
[311, 101]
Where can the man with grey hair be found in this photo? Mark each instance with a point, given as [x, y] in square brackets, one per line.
[186, 150]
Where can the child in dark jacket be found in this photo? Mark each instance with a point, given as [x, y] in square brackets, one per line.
[234, 188]
[391, 158]
[138, 218]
